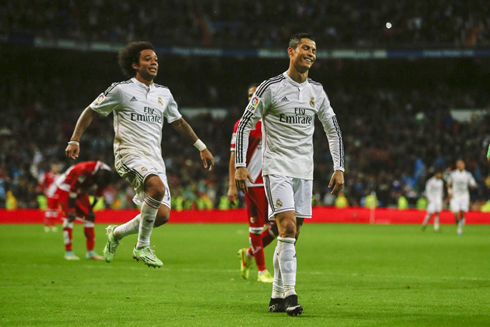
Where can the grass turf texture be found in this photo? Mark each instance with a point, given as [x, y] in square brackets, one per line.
[349, 275]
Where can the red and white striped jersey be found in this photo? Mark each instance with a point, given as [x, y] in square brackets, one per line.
[254, 153]
[80, 177]
[45, 180]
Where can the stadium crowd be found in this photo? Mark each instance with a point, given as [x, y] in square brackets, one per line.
[242, 23]
[397, 131]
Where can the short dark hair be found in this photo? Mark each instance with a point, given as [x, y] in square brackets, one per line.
[103, 177]
[131, 54]
[296, 39]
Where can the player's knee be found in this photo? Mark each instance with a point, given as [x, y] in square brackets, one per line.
[288, 229]
[154, 187]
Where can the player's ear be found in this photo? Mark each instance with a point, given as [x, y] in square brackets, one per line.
[135, 65]
[291, 52]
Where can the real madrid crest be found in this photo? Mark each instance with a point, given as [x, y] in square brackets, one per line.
[278, 203]
[312, 102]
[160, 101]
[143, 169]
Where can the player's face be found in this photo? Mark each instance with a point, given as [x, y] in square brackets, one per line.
[460, 164]
[438, 175]
[304, 55]
[251, 92]
[148, 65]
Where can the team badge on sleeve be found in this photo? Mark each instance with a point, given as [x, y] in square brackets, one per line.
[278, 203]
[100, 99]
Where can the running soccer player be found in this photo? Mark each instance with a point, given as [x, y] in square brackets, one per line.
[287, 105]
[459, 181]
[434, 189]
[259, 236]
[139, 107]
[70, 189]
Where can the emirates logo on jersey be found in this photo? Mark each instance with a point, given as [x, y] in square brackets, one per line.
[312, 102]
[278, 203]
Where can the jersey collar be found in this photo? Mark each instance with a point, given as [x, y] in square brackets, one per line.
[296, 84]
[143, 85]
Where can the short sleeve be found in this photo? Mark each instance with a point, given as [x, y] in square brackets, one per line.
[108, 101]
[172, 111]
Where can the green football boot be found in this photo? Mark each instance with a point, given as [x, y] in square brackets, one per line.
[148, 257]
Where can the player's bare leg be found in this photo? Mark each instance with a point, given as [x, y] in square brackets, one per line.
[285, 257]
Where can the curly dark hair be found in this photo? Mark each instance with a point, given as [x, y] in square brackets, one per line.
[131, 54]
[296, 38]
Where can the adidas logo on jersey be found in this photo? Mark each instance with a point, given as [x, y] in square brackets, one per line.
[285, 99]
[133, 99]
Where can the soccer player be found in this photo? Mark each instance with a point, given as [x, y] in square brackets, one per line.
[434, 189]
[70, 189]
[139, 107]
[287, 105]
[45, 180]
[459, 181]
[256, 203]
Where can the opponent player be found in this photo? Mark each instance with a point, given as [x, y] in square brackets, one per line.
[458, 184]
[434, 189]
[287, 105]
[45, 180]
[256, 203]
[139, 107]
[71, 191]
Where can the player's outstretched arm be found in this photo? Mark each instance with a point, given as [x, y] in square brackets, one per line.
[337, 182]
[186, 131]
[73, 149]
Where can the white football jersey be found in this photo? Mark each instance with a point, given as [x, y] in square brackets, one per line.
[434, 189]
[139, 111]
[460, 181]
[288, 112]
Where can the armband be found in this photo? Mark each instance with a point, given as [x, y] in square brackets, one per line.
[200, 145]
[488, 151]
[74, 143]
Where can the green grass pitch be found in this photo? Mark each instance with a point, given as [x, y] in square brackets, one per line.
[348, 275]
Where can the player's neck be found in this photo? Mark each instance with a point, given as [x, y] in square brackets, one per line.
[296, 75]
[142, 80]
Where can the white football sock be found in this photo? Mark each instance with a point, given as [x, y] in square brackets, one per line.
[131, 227]
[426, 219]
[287, 263]
[277, 285]
[149, 211]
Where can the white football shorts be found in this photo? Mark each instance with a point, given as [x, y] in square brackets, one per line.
[434, 206]
[460, 204]
[288, 194]
[135, 170]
